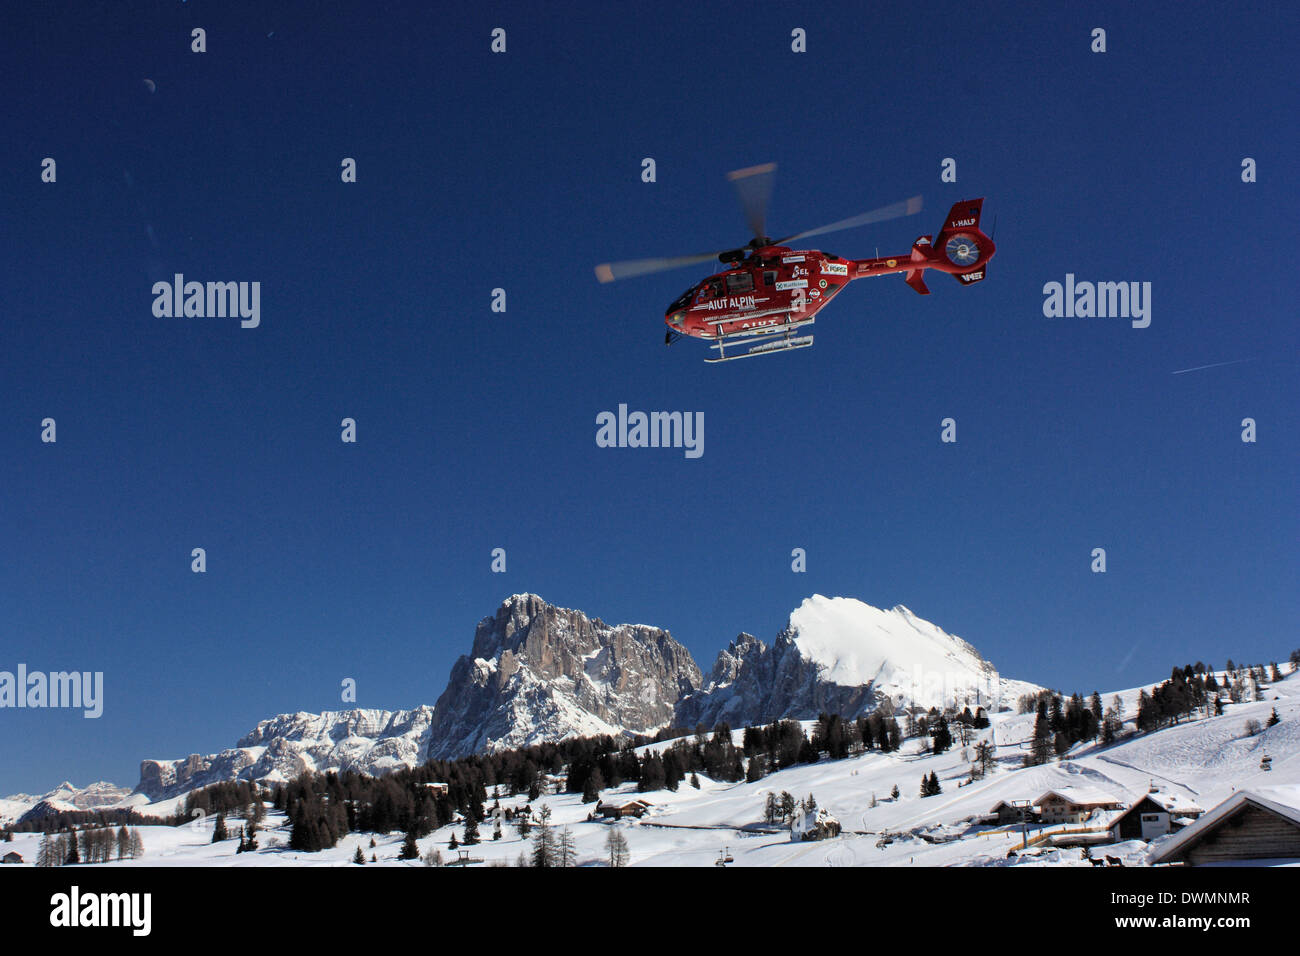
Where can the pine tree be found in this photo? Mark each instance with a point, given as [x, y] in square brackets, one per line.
[941, 739]
[471, 831]
[359, 858]
[1040, 747]
[46, 855]
[1274, 718]
[410, 850]
[591, 789]
[123, 843]
[74, 853]
[544, 849]
[219, 831]
[893, 794]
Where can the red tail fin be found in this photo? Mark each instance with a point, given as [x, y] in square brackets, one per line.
[963, 243]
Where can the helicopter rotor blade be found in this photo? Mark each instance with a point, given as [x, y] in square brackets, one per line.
[754, 188]
[609, 271]
[907, 207]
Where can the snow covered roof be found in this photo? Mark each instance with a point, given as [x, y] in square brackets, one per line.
[1171, 804]
[1012, 804]
[1081, 796]
[1284, 801]
[1175, 804]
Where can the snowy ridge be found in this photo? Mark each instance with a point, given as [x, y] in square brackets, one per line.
[282, 747]
[855, 643]
[65, 797]
[843, 656]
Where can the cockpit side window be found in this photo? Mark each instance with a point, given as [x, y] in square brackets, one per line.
[740, 282]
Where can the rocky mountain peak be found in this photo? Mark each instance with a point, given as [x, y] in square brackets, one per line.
[541, 672]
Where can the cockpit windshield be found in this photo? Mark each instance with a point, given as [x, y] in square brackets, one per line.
[683, 301]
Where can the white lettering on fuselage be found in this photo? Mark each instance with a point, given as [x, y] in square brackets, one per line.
[735, 302]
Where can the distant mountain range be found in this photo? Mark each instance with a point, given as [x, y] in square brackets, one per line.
[65, 797]
[536, 672]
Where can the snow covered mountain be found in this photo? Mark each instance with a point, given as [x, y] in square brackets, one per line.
[66, 796]
[370, 741]
[538, 672]
[840, 655]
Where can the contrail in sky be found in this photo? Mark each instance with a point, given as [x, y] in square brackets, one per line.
[1215, 365]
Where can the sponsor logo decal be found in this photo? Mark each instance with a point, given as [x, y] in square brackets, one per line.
[792, 284]
[834, 269]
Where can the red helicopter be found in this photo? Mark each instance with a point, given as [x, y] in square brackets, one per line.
[772, 289]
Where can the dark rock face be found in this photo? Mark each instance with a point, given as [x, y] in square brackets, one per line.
[754, 683]
[538, 672]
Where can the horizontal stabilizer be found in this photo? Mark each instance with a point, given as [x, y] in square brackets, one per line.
[916, 279]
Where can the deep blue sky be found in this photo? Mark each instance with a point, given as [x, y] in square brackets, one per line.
[477, 430]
